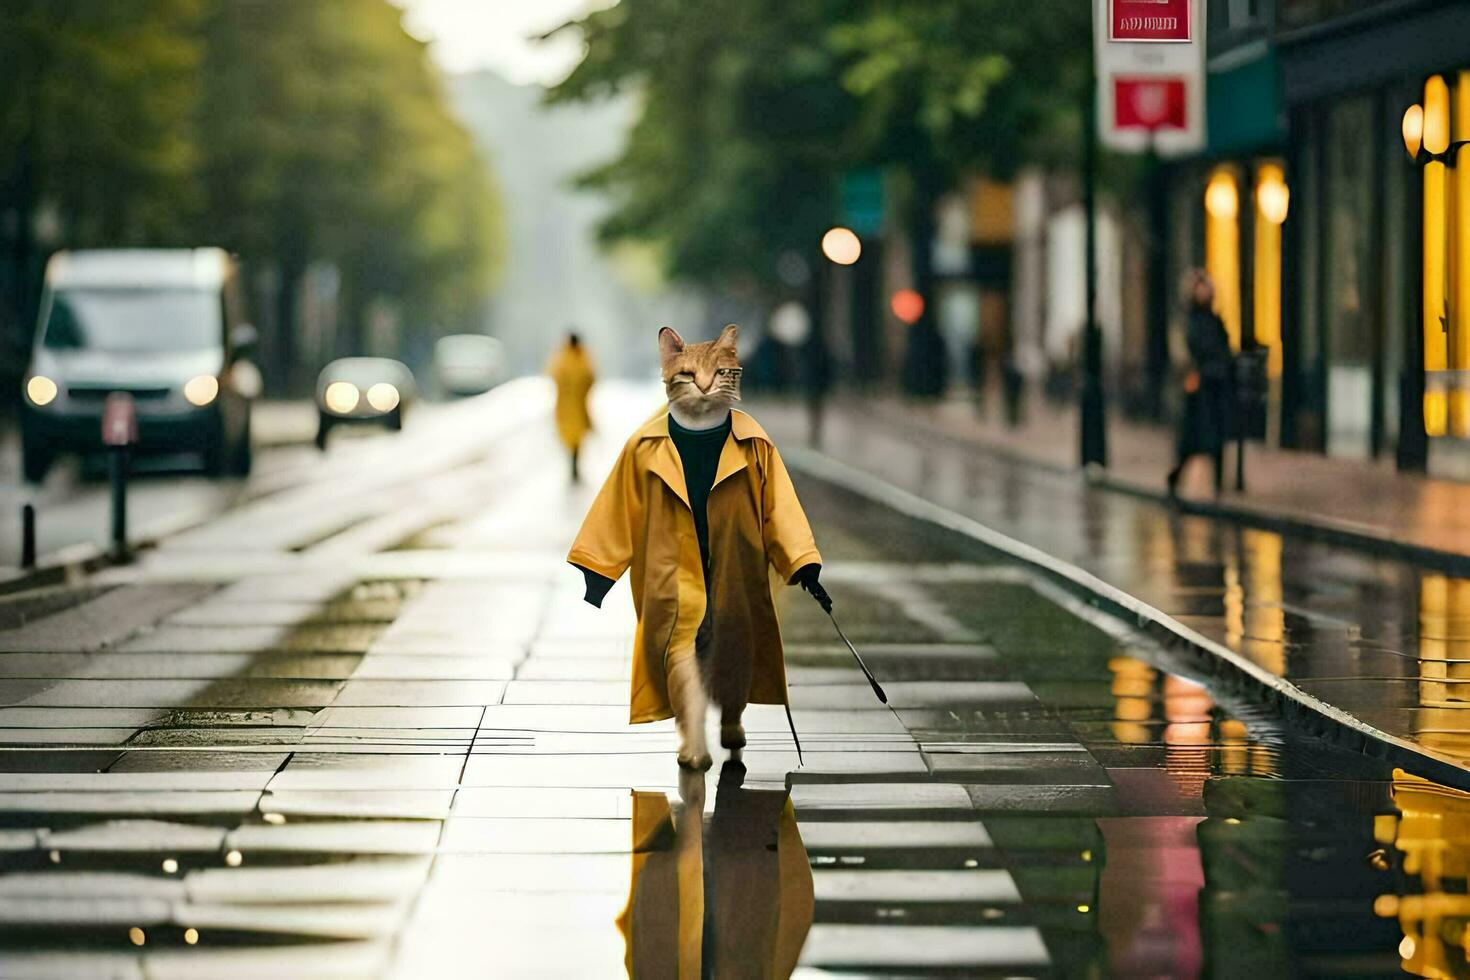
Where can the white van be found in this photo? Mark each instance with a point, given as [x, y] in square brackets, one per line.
[164, 325]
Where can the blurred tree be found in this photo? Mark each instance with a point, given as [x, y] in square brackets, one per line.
[289, 132]
[328, 138]
[751, 112]
[744, 122]
[95, 135]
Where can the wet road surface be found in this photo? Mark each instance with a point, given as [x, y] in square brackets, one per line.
[367, 727]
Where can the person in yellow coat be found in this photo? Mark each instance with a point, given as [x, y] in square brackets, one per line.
[571, 369]
[701, 509]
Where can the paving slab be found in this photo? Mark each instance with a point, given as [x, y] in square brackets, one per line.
[935, 947]
[899, 887]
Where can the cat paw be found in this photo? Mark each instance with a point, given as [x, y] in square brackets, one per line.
[732, 737]
[699, 763]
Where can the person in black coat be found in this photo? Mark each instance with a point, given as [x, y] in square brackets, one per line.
[1209, 387]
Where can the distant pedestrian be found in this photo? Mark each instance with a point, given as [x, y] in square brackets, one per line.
[571, 369]
[1208, 388]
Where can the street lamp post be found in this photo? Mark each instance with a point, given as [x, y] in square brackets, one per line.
[1094, 435]
[1426, 140]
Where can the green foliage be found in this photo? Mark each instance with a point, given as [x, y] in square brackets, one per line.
[751, 111]
[291, 131]
[96, 119]
[329, 138]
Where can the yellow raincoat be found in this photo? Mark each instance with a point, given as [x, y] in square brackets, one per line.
[571, 369]
[641, 520]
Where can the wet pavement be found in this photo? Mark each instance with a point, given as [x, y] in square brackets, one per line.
[165, 494]
[366, 727]
[1386, 640]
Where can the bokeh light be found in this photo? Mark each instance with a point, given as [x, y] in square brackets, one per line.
[841, 245]
[907, 305]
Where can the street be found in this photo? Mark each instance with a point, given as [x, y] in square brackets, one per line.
[366, 726]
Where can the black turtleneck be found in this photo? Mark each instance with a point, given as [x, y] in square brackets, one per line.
[699, 452]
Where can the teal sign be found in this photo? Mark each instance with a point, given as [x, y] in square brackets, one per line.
[861, 194]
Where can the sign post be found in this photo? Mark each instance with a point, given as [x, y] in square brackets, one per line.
[119, 434]
[1147, 96]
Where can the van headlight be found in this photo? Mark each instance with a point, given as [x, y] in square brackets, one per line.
[202, 390]
[41, 390]
[383, 396]
[341, 397]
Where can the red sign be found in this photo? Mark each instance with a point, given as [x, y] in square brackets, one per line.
[1149, 102]
[1149, 20]
[119, 420]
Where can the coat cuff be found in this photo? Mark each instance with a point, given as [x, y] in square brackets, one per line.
[597, 585]
[812, 557]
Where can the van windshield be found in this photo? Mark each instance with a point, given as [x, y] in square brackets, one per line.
[133, 320]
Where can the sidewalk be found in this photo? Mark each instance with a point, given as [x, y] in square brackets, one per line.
[1373, 646]
[367, 727]
[1404, 514]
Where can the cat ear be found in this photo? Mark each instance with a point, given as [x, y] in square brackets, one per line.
[669, 342]
[728, 336]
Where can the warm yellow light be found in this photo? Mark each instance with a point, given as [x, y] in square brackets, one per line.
[234, 858]
[1221, 199]
[136, 936]
[1407, 947]
[1222, 247]
[341, 396]
[383, 396]
[170, 866]
[1273, 197]
[1436, 115]
[202, 390]
[41, 390]
[1413, 126]
[842, 246]
[191, 936]
[1084, 909]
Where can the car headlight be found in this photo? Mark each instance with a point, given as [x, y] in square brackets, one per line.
[341, 397]
[383, 396]
[202, 390]
[41, 390]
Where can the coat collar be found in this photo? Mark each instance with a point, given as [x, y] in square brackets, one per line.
[664, 460]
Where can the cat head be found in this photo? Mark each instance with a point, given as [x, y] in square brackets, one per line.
[701, 379]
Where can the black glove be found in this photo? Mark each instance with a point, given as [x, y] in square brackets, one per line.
[806, 577]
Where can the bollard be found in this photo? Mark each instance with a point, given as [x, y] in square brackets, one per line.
[28, 536]
[119, 431]
[117, 467]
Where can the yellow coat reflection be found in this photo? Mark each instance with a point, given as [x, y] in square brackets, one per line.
[641, 523]
[571, 370]
[731, 900]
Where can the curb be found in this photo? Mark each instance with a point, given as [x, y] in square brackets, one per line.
[1237, 674]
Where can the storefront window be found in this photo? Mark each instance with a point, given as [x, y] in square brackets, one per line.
[1349, 330]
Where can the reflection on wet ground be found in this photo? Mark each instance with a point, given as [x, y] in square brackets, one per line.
[413, 760]
[728, 896]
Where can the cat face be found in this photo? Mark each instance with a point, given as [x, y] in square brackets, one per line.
[701, 379]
